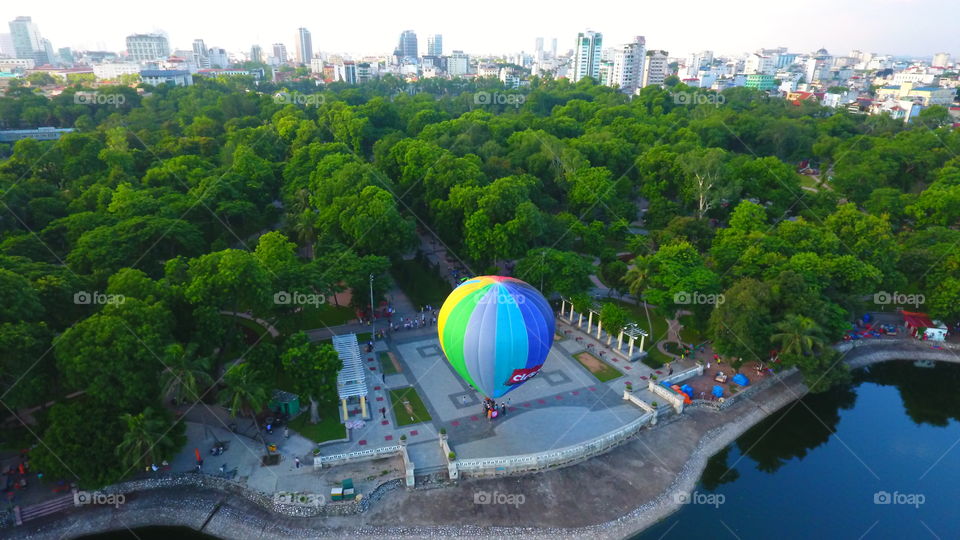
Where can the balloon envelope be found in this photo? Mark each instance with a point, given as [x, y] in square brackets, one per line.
[496, 332]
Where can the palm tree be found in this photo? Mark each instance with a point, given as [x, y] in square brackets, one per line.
[149, 436]
[245, 393]
[185, 376]
[798, 335]
[637, 281]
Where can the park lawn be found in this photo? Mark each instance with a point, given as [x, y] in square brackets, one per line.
[417, 412]
[422, 285]
[598, 368]
[315, 317]
[329, 428]
[386, 363]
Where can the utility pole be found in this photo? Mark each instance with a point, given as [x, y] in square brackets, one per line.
[372, 327]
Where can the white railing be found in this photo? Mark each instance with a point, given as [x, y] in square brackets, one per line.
[359, 455]
[542, 460]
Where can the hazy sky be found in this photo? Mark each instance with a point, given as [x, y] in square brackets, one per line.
[907, 27]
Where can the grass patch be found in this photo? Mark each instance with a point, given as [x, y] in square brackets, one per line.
[420, 282]
[315, 317]
[328, 428]
[598, 368]
[386, 363]
[408, 407]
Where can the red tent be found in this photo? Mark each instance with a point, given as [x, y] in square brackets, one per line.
[917, 320]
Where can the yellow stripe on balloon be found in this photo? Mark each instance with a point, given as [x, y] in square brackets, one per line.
[458, 294]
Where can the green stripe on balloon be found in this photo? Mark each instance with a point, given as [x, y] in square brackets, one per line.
[456, 330]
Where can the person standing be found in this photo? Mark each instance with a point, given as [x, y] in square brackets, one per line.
[286, 432]
[296, 462]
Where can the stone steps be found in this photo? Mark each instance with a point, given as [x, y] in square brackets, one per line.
[46, 508]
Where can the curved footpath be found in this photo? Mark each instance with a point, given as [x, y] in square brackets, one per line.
[597, 497]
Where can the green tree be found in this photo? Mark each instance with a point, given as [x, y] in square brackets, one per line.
[313, 369]
[149, 438]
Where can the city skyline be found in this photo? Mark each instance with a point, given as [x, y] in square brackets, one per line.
[238, 29]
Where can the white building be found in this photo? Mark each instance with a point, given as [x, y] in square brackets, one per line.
[587, 56]
[111, 72]
[628, 62]
[458, 64]
[655, 68]
[941, 60]
[157, 77]
[759, 64]
[147, 47]
[16, 64]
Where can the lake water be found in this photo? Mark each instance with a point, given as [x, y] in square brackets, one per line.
[878, 458]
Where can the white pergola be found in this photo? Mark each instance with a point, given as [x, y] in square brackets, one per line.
[632, 331]
[352, 377]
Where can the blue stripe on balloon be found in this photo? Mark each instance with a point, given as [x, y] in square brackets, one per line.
[512, 342]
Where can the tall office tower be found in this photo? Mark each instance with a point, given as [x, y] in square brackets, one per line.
[538, 46]
[27, 42]
[407, 46]
[200, 57]
[66, 55]
[256, 54]
[941, 59]
[655, 68]
[304, 52]
[553, 48]
[586, 56]
[147, 47]
[280, 52]
[628, 65]
[435, 45]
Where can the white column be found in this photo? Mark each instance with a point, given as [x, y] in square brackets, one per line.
[599, 324]
[620, 340]
[589, 322]
[642, 337]
[579, 319]
[630, 354]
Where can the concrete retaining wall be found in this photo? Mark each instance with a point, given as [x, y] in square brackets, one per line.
[528, 463]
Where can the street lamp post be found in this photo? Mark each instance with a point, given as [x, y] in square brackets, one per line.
[373, 331]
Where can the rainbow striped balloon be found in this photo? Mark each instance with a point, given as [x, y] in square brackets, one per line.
[496, 332]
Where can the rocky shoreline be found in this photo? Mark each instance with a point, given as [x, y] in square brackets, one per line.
[657, 466]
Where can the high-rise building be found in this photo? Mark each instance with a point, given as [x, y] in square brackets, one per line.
[941, 60]
[200, 57]
[6, 45]
[27, 42]
[256, 54]
[147, 47]
[628, 65]
[538, 46]
[435, 45]
[304, 52]
[280, 52]
[553, 48]
[760, 64]
[818, 66]
[66, 55]
[407, 47]
[458, 64]
[587, 55]
[218, 58]
[349, 72]
[655, 68]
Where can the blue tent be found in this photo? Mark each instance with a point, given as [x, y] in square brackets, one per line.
[717, 391]
[687, 389]
[741, 379]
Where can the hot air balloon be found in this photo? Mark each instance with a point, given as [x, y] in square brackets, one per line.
[496, 332]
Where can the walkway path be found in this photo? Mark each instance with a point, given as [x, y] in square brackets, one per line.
[266, 324]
